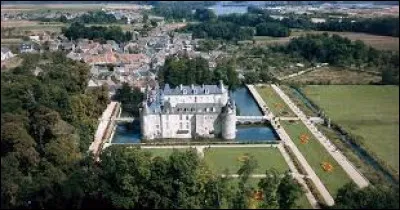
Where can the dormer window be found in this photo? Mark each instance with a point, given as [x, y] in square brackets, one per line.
[206, 91]
[184, 91]
[194, 91]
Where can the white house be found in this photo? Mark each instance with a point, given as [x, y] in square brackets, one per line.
[6, 53]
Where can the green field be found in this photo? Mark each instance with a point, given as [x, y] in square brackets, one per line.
[315, 154]
[371, 112]
[220, 159]
[274, 101]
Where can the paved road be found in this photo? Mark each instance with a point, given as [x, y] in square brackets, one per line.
[349, 168]
[286, 139]
[300, 178]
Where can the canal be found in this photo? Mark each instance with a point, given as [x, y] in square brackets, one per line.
[130, 133]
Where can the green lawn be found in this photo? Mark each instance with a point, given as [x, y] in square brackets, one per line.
[221, 158]
[371, 112]
[274, 101]
[315, 154]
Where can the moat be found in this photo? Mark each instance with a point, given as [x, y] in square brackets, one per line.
[130, 133]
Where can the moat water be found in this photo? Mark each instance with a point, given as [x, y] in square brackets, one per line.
[129, 133]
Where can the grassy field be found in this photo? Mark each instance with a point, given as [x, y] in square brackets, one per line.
[220, 159]
[371, 112]
[378, 42]
[274, 101]
[315, 154]
[331, 75]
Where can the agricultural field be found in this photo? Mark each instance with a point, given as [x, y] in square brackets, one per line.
[274, 101]
[316, 155]
[335, 76]
[371, 112]
[220, 159]
[378, 42]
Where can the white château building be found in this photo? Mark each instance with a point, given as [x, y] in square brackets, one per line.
[188, 112]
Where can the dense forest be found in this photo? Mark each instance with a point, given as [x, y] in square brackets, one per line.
[47, 124]
[340, 51]
[182, 70]
[78, 30]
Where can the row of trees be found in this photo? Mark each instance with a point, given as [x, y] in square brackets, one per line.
[341, 51]
[180, 10]
[386, 26]
[236, 26]
[47, 124]
[182, 70]
[134, 178]
[78, 30]
[220, 30]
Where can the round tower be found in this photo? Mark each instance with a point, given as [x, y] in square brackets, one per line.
[229, 121]
[144, 127]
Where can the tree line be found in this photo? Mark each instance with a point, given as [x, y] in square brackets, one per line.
[78, 30]
[385, 26]
[341, 51]
[179, 10]
[182, 70]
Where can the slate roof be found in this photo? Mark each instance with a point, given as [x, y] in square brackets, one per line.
[192, 90]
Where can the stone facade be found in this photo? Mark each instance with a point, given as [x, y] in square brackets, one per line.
[188, 112]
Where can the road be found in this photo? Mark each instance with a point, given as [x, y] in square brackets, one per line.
[288, 141]
[347, 166]
[299, 177]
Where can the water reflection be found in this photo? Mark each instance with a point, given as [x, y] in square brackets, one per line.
[246, 103]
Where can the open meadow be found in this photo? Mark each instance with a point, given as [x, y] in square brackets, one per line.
[371, 112]
[220, 159]
[334, 76]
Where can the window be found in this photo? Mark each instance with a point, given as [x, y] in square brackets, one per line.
[184, 91]
[193, 109]
[187, 125]
[157, 126]
[187, 117]
[180, 126]
[180, 117]
[206, 91]
[205, 109]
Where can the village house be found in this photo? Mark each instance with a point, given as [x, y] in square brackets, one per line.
[27, 48]
[6, 53]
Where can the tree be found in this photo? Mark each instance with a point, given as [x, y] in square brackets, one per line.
[269, 186]
[371, 197]
[288, 192]
[130, 98]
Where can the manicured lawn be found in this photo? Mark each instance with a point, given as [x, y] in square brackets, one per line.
[273, 101]
[220, 159]
[315, 154]
[163, 152]
[371, 112]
